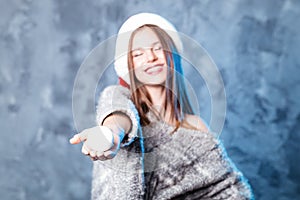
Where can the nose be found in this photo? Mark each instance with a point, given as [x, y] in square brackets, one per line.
[151, 56]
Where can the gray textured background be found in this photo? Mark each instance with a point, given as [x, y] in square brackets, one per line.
[42, 44]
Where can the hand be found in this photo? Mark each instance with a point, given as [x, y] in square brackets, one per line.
[99, 142]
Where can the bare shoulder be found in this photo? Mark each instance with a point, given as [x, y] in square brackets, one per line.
[196, 121]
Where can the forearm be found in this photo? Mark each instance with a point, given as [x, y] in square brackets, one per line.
[119, 123]
[115, 100]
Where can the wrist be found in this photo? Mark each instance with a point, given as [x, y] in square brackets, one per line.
[118, 134]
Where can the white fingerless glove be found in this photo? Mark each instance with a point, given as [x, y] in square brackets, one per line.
[99, 138]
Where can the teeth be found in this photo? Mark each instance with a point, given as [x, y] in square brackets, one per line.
[153, 69]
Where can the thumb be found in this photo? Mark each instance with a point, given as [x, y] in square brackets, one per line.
[80, 137]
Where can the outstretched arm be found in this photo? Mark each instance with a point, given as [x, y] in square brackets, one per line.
[117, 116]
[101, 143]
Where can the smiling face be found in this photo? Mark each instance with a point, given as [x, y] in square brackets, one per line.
[149, 49]
[148, 59]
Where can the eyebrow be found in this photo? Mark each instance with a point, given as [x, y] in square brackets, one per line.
[154, 43]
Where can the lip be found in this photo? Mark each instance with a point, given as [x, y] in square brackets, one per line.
[155, 69]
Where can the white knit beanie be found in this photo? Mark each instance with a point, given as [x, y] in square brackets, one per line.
[131, 24]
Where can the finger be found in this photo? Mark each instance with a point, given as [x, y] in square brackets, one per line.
[102, 158]
[83, 135]
[79, 137]
[93, 154]
[75, 139]
[93, 158]
[109, 154]
[84, 150]
[99, 153]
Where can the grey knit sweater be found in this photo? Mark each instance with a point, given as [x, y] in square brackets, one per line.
[152, 164]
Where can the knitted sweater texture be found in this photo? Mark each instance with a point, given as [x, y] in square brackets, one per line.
[154, 164]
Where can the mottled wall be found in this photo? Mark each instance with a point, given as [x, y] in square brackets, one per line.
[42, 44]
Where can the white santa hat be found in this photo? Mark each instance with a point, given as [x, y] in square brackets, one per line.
[130, 25]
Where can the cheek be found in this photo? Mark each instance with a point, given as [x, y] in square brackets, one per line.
[137, 70]
[161, 55]
[138, 61]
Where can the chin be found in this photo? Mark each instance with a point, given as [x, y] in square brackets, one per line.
[155, 84]
[154, 81]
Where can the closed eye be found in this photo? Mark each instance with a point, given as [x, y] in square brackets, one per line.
[157, 46]
[137, 53]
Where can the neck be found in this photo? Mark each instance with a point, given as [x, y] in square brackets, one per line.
[157, 94]
[158, 97]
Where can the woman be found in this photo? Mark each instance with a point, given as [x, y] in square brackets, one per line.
[155, 146]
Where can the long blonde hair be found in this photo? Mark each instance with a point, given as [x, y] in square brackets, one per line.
[176, 92]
